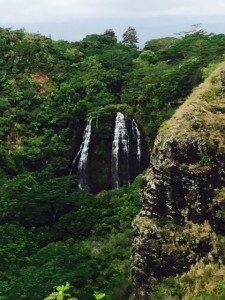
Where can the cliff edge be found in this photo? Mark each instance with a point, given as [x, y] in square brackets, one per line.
[183, 210]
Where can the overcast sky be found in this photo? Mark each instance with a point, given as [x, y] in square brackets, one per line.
[74, 19]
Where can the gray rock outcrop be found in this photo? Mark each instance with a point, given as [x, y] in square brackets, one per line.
[183, 207]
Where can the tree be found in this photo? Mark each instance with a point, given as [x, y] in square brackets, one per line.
[130, 37]
[111, 34]
[159, 44]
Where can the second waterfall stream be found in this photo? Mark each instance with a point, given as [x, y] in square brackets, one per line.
[120, 153]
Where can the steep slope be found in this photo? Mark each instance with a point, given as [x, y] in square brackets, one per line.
[183, 207]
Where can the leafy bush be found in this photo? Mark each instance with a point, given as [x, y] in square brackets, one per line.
[168, 289]
[205, 160]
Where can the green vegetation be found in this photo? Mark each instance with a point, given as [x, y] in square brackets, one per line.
[167, 289]
[204, 281]
[78, 238]
[60, 293]
[205, 160]
[52, 233]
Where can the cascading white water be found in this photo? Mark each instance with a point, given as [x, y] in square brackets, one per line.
[120, 153]
[126, 158]
[137, 136]
[75, 159]
[83, 162]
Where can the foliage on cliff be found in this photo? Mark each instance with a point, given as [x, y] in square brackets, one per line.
[180, 228]
[204, 281]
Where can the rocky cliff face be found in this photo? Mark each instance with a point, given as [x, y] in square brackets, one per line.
[183, 198]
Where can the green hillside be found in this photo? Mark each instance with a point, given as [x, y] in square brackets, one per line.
[52, 232]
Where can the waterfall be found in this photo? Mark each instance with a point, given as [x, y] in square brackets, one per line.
[75, 159]
[82, 155]
[120, 153]
[137, 137]
[83, 162]
[125, 162]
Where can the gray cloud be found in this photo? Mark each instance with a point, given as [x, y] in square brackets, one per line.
[74, 19]
[23, 11]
